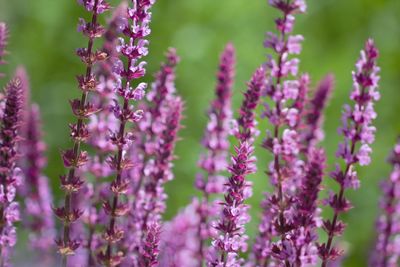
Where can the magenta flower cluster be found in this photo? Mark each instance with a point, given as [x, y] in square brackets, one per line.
[123, 151]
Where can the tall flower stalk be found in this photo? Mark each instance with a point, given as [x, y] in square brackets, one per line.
[286, 95]
[215, 141]
[38, 197]
[230, 225]
[75, 158]
[386, 252]
[306, 215]
[153, 153]
[99, 126]
[160, 128]
[150, 250]
[247, 124]
[312, 132]
[154, 187]
[36, 191]
[358, 133]
[135, 28]
[9, 173]
[160, 101]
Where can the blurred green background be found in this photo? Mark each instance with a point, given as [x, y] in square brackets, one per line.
[43, 38]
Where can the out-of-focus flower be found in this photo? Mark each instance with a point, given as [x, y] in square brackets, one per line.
[215, 141]
[387, 251]
[38, 214]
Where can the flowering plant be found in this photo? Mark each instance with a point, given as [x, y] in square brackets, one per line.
[123, 154]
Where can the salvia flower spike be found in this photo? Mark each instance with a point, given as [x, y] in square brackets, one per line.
[230, 225]
[154, 188]
[359, 134]
[104, 120]
[162, 98]
[133, 47]
[99, 127]
[149, 251]
[37, 202]
[75, 158]
[153, 153]
[165, 117]
[232, 238]
[306, 219]
[286, 95]
[247, 124]
[162, 170]
[10, 175]
[215, 141]
[312, 132]
[386, 252]
[36, 191]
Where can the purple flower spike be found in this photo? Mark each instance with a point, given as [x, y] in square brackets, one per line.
[133, 47]
[358, 133]
[215, 141]
[149, 252]
[306, 218]
[312, 132]
[153, 153]
[234, 215]
[232, 238]
[386, 251]
[246, 122]
[161, 172]
[104, 121]
[99, 127]
[10, 175]
[3, 44]
[36, 191]
[287, 93]
[153, 123]
[75, 158]
[164, 86]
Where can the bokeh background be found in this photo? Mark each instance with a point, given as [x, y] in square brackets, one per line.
[43, 38]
